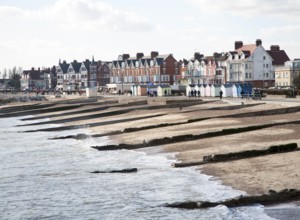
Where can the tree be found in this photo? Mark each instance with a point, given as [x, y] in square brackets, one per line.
[4, 73]
[296, 81]
[16, 76]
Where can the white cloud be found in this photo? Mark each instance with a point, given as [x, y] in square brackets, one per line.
[83, 15]
[250, 8]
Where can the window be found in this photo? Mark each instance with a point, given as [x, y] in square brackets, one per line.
[230, 67]
[267, 65]
[231, 76]
[246, 66]
[250, 76]
[264, 57]
[267, 75]
[246, 75]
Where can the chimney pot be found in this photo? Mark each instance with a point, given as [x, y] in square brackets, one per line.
[275, 48]
[258, 42]
[154, 54]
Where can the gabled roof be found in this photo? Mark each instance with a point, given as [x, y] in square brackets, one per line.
[76, 66]
[247, 47]
[247, 53]
[159, 60]
[64, 67]
[279, 57]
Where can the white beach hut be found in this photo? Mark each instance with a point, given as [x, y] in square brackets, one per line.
[203, 90]
[234, 90]
[190, 88]
[215, 90]
[197, 89]
[208, 91]
[227, 90]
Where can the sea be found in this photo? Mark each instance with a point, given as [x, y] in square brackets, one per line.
[42, 178]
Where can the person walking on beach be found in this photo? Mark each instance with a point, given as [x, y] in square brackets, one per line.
[221, 94]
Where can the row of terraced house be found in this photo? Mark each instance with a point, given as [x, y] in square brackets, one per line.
[247, 63]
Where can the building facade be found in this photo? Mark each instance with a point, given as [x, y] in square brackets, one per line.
[154, 69]
[253, 64]
[285, 75]
[38, 80]
[81, 75]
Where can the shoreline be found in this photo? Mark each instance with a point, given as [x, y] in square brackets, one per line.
[252, 175]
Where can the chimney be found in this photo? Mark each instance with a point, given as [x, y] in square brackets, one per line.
[238, 44]
[139, 56]
[197, 56]
[216, 55]
[275, 48]
[258, 42]
[125, 56]
[154, 54]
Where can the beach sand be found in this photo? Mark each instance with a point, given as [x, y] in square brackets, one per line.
[253, 175]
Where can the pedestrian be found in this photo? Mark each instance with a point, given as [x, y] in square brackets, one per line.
[165, 92]
[119, 92]
[199, 93]
[190, 94]
[195, 93]
[221, 94]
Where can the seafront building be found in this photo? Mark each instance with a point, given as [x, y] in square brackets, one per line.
[154, 69]
[247, 63]
[38, 79]
[76, 75]
[285, 75]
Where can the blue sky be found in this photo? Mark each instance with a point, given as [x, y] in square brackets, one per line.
[37, 33]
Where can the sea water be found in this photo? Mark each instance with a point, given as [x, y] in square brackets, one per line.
[51, 179]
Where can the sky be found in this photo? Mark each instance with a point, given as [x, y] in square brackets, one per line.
[37, 33]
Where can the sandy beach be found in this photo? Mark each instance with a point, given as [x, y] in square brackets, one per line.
[253, 175]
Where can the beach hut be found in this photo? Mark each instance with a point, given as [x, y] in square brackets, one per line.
[227, 90]
[189, 89]
[208, 91]
[142, 90]
[164, 90]
[152, 90]
[197, 89]
[215, 90]
[134, 89]
[239, 90]
[248, 88]
[234, 88]
[178, 89]
[202, 90]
